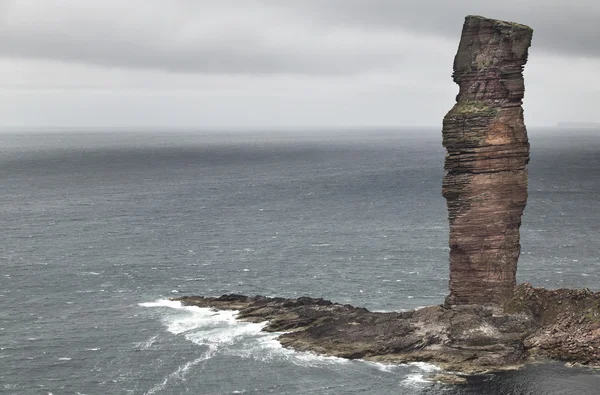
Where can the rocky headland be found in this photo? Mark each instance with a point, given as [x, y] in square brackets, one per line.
[487, 322]
[535, 322]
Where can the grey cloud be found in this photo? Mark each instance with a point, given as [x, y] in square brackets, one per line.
[564, 27]
[108, 35]
[225, 56]
[271, 36]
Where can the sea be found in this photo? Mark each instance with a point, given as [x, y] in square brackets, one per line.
[100, 228]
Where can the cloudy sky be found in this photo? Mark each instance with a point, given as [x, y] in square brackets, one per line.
[275, 63]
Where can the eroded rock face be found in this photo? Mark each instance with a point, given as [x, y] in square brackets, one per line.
[486, 178]
[469, 339]
[562, 324]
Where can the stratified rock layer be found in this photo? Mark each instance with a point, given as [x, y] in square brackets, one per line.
[562, 324]
[486, 178]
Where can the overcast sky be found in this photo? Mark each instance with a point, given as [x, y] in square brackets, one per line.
[275, 63]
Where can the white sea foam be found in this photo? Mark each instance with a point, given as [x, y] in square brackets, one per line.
[266, 348]
[146, 344]
[220, 332]
[384, 367]
[418, 379]
[424, 366]
[163, 303]
[415, 380]
[179, 374]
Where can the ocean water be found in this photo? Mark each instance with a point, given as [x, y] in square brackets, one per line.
[101, 228]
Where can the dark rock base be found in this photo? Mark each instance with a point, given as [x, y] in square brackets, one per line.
[561, 324]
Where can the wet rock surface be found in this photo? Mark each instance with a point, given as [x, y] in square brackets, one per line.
[485, 185]
[561, 324]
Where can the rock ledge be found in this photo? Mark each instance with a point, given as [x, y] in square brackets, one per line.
[560, 324]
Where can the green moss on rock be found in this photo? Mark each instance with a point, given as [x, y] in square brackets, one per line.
[473, 108]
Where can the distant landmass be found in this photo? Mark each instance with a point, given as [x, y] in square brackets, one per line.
[578, 125]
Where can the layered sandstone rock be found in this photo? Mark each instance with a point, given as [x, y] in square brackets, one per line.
[486, 178]
[562, 324]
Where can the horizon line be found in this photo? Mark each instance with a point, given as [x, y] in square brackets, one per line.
[116, 128]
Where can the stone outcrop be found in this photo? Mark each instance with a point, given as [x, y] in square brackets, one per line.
[486, 178]
[471, 339]
[562, 324]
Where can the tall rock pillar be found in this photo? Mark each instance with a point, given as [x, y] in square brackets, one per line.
[485, 185]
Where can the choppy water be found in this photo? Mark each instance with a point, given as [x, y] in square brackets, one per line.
[99, 229]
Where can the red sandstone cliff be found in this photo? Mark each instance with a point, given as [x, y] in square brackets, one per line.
[486, 178]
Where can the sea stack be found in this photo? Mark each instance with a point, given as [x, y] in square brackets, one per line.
[485, 185]
[491, 323]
